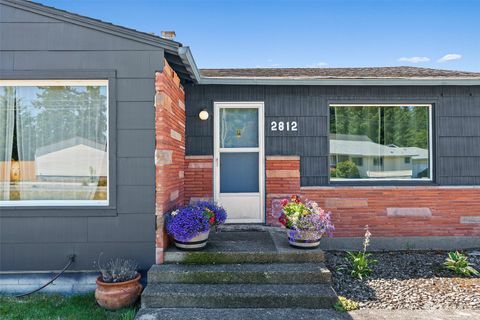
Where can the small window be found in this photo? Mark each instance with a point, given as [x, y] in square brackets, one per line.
[54, 143]
[381, 142]
[377, 161]
[358, 161]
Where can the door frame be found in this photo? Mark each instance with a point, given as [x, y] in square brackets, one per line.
[260, 105]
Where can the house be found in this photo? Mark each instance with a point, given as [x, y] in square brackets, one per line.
[375, 160]
[75, 88]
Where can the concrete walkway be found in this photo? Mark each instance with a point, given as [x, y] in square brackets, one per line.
[305, 314]
[415, 314]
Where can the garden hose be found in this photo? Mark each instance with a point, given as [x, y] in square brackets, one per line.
[71, 259]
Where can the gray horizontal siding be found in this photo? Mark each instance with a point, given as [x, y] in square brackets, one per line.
[136, 143]
[135, 115]
[128, 64]
[41, 239]
[456, 123]
[35, 36]
[53, 256]
[9, 14]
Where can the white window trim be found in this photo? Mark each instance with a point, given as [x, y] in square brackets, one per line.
[430, 142]
[64, 203]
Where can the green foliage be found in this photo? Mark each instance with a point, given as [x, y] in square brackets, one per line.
[347, 169]
[360, 264]
[293, 211]
[402, 126]
[333, 172]
[458, 263]
[344, 304]
[47, 307]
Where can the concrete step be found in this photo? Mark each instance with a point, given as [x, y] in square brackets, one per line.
[219, 257]
[240, 314]
[280, 273]
[211, 296]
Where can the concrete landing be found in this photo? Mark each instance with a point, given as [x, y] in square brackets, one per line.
[240, 244]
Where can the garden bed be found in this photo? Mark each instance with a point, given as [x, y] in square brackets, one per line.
[407, 280]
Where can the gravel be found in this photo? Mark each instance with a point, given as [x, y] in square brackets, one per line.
[408, 280]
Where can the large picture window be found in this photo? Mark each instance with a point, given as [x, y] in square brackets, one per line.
[53, 143]
[380, 142]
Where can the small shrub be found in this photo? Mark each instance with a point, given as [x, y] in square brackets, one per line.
[333, 172]
[360, 262]
[118, 270]
[347, 169]
[343, 304]
[458, 263]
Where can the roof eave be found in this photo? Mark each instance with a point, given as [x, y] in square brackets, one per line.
[187, 58]
[340, 82]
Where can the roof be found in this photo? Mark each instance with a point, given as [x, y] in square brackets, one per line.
[68, 143]
[362, 146]
[340, 73]
[182, 61]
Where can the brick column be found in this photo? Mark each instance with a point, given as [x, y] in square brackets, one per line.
[282, 180]
[169, 151]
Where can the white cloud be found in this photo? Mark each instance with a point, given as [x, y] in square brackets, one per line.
[450, 57]
[320, 64]
[414, 59]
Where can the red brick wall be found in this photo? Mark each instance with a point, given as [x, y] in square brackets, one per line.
[282, 180]
[389, 211]
[198, 178]
[170, 149]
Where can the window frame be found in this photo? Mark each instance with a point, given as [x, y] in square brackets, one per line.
[397, 181]
[31, 208]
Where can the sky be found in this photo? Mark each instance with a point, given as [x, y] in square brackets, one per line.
[305, 33]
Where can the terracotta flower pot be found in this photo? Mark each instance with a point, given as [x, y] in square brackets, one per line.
[195, 243]
[113, 296]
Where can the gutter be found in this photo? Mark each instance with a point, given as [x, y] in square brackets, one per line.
[338, 82]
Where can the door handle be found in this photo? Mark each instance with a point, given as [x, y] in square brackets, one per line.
[216, 162]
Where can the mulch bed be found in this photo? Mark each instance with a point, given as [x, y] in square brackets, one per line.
[408, 280]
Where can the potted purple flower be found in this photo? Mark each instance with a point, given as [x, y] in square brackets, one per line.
[307, 222]
[190, 225]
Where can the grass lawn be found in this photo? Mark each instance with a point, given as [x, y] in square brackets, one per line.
[42, 307]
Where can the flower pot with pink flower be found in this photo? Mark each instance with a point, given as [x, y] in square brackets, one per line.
[306, 222]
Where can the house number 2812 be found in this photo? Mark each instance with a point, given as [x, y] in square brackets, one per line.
[283, 126]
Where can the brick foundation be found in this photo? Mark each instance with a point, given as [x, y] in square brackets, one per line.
[389, 211]
[170, 149]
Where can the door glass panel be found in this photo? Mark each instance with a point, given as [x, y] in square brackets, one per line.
[238, 128]
[239, 172]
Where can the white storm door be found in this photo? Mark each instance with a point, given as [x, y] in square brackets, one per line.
[239, 160]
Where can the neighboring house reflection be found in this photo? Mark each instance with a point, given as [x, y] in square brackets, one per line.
[375, 160]
[73, 158]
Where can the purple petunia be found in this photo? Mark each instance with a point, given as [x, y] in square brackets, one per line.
[189, 221]
[186, 223]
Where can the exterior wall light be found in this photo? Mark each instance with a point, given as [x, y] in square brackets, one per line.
[203, 115]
